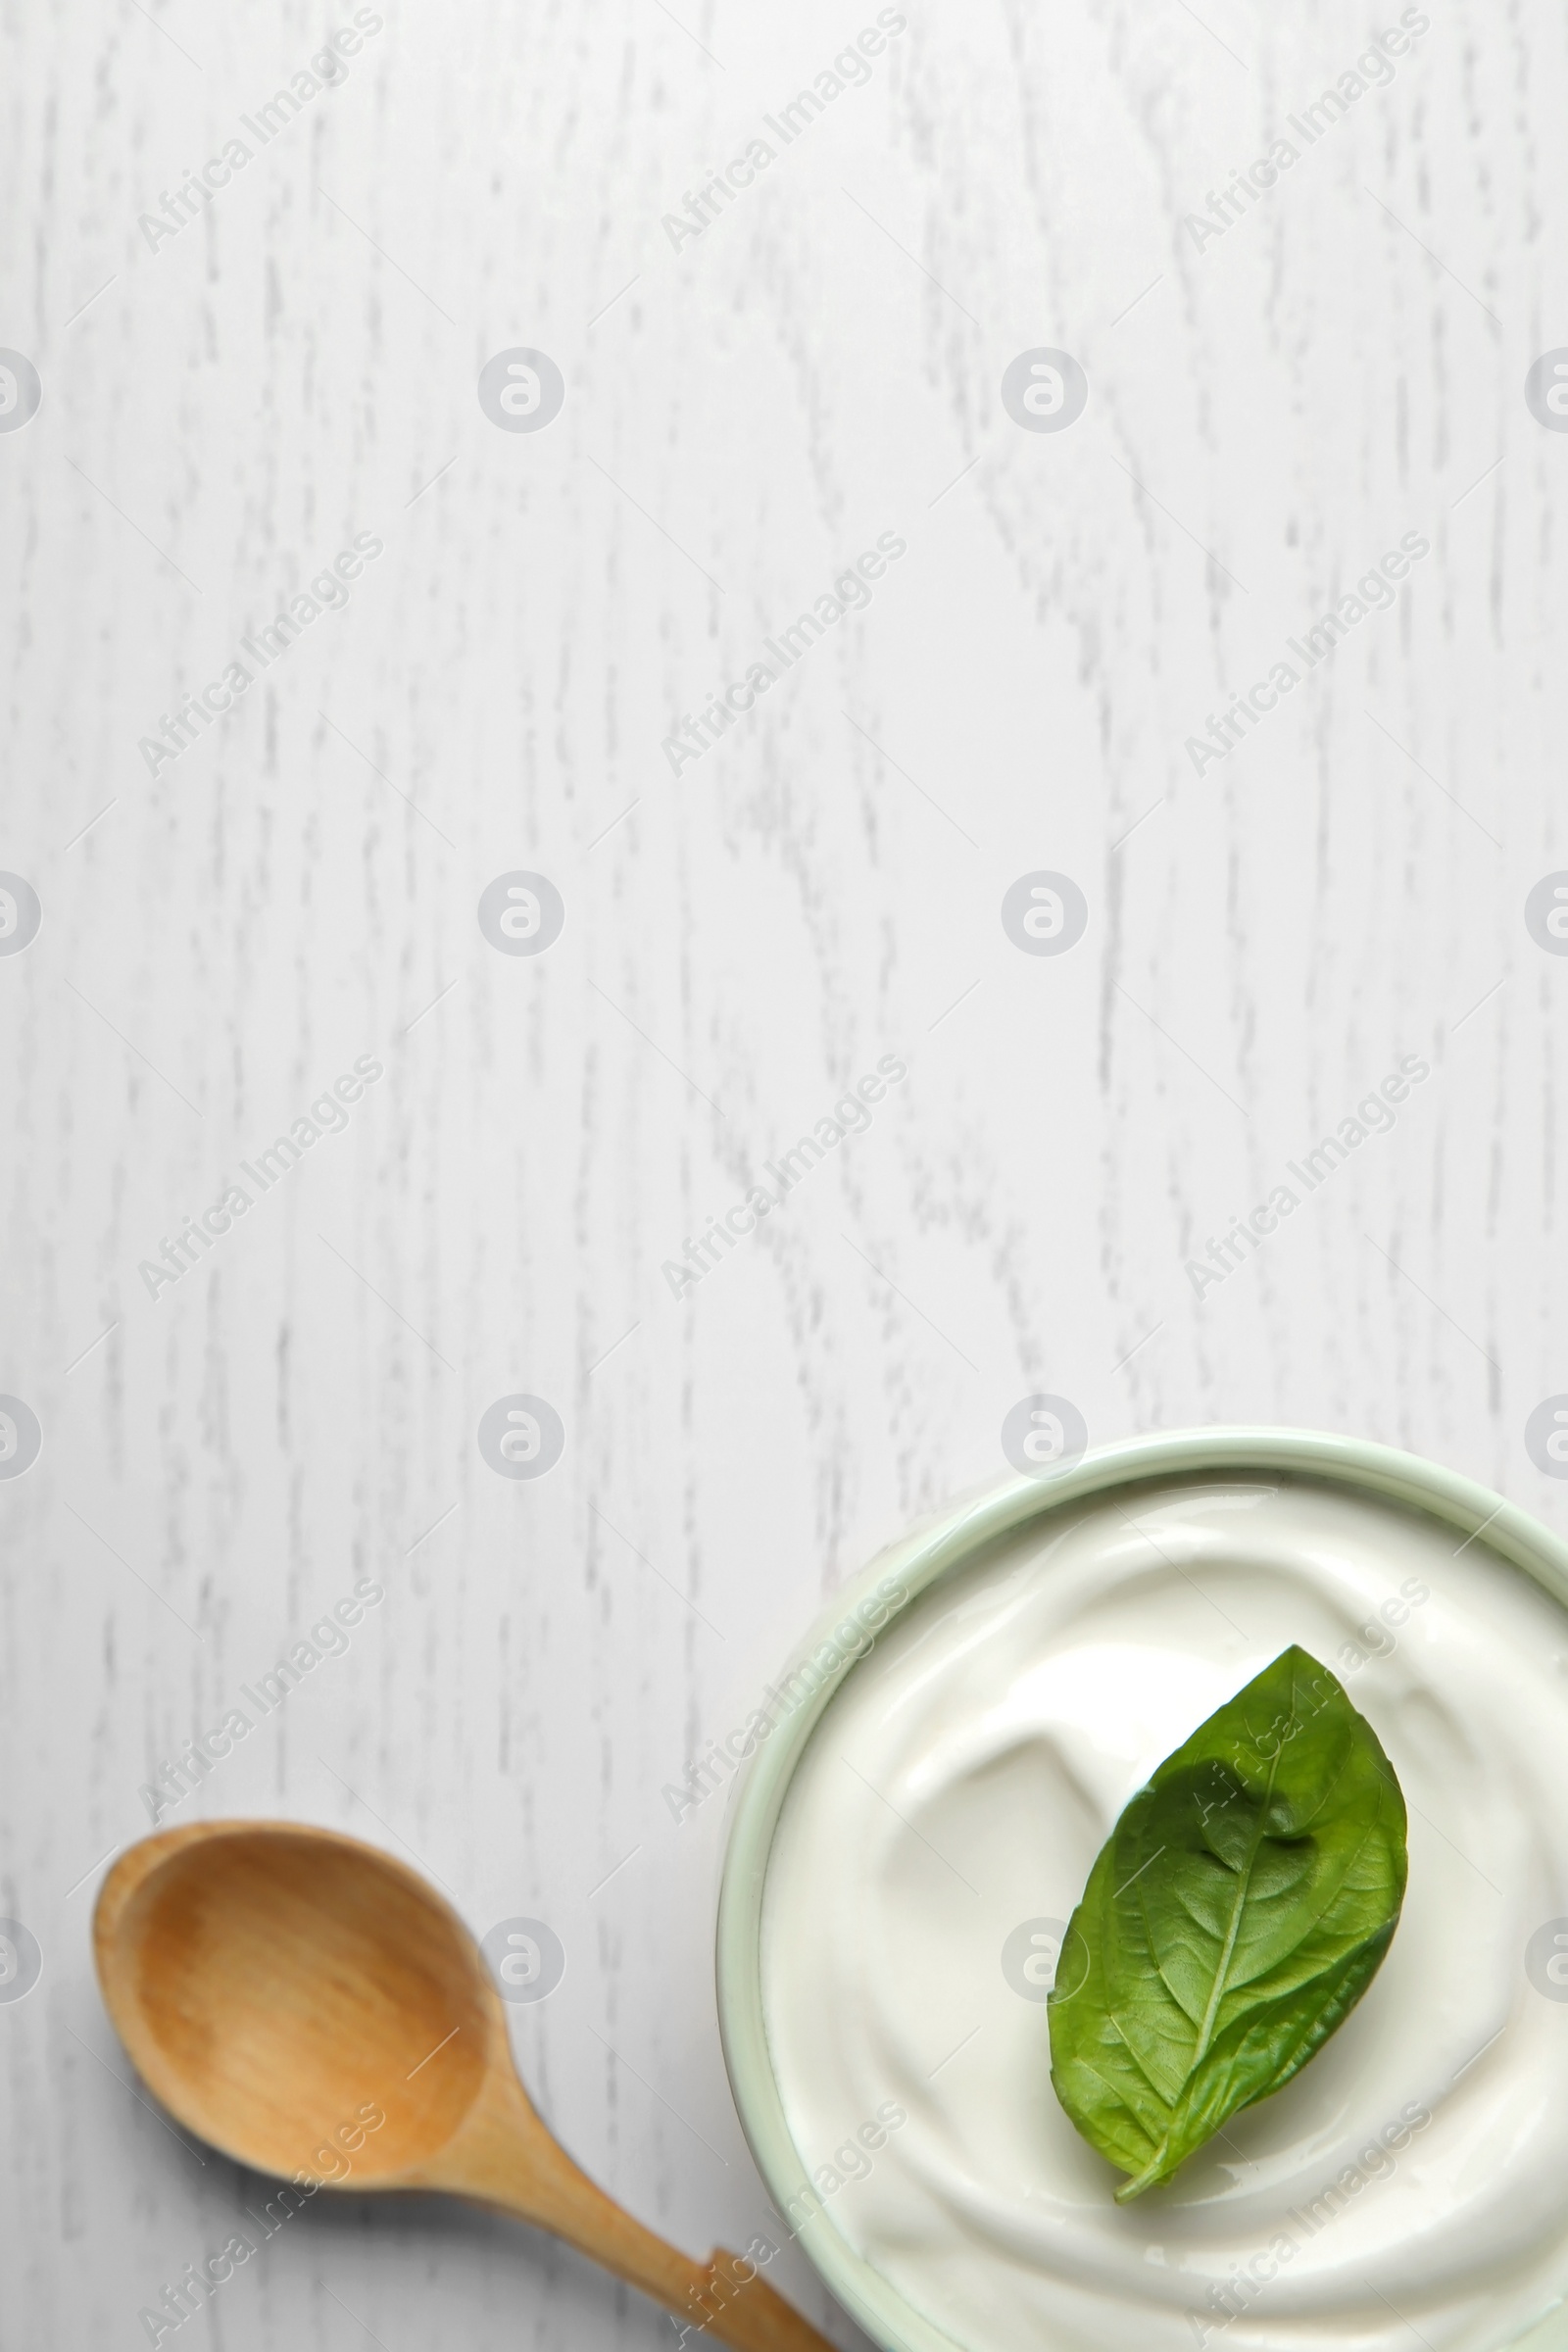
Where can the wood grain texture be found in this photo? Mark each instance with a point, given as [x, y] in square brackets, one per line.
[1269, 413]
[314, 2008]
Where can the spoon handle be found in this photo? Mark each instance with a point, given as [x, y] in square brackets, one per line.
[505, 2157]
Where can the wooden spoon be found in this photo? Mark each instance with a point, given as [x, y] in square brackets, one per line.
[278, 1984]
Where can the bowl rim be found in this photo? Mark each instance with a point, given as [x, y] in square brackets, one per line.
[935, 1546]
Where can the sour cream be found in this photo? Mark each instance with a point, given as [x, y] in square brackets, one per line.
[1410, 2186]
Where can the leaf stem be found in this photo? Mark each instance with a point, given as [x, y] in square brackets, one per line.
[1238, 1905]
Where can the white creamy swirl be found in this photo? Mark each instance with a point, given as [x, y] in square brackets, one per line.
[1412, 2184]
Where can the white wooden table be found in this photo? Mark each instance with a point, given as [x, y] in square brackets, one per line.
[227, 406]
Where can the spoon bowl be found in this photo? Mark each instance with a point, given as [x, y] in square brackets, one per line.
[212, 1969]
[314, 2009]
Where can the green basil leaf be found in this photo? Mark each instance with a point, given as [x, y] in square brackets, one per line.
[1237, 1913]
